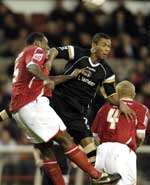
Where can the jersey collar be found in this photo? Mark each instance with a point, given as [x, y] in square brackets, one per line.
[91, 63]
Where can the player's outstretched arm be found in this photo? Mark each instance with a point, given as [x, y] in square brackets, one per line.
[63, 78]
[68, 53]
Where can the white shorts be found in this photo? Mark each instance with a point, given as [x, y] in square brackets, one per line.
[117, 158]
[39, 120]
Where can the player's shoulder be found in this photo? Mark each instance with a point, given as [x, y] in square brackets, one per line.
[105, 63]
[106, 107]
[107, 68]
[139, 106]
[33, 49]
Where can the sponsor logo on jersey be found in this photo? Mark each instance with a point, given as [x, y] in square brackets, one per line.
[86, 80]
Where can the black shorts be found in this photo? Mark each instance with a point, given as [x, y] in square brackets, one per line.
[72, 117]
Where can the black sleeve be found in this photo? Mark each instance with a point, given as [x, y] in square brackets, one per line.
[109, 81]
[8, 112]
[72, 53]
[109, 89]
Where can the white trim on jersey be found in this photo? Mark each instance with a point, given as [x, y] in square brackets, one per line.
[31, 81]
[95, 134]
[4, 115]
[109, 79]
[129, 140]
[71, 52]
[146, 117]
[91, 63]
[41, 93]
[140, 134]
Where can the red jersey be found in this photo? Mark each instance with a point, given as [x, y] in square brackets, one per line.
[111, 126]
[26, 87]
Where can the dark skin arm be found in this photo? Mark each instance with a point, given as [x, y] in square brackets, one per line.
[52, 54]
[51, 81]
[37, 72]
[62, 78]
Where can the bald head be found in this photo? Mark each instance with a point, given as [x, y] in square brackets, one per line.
[125, 89]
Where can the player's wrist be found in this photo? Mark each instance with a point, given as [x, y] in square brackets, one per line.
[46, 81]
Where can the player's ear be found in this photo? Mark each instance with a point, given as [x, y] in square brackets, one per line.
[134, 95]
[37, 43]
[93, 48]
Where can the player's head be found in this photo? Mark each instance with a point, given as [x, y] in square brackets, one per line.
[38, 39]
[125, 89]
[101, 45]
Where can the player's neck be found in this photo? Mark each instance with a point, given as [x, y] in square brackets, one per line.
[94, 59]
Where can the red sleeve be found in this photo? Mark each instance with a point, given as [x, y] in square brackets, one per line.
[36, 56]
[97, 123]
[142, 119]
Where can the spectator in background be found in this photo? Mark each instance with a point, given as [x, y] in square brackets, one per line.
[59, 12]
[146, 92]
[81, 22]
[4, 95]
[10, 27]
[125, 49]
[9, 161]
[3, 12]
[140, 28]
[84, 40]
[122, 19]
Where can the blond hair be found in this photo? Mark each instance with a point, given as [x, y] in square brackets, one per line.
[125, 89]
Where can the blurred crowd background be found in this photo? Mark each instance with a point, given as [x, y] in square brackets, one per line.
[130, 57]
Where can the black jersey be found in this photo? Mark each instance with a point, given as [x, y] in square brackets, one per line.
[83, 88]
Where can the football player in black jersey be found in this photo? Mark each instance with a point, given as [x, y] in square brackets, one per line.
[71, 99]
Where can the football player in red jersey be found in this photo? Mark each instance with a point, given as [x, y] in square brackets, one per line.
[120, 137]
[32, 111]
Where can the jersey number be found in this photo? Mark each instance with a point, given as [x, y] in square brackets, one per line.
[113, 118]
[16, 70]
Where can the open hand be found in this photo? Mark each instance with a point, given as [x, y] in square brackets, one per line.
[127, 111]
[83, 71]
[50, 84]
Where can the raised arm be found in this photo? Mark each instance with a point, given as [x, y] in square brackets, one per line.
[63, 78]
[110, 94]
[69, 53]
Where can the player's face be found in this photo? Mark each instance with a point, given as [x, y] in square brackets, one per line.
[102, 48]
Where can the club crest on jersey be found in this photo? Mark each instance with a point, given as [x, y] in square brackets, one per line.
[38, 56]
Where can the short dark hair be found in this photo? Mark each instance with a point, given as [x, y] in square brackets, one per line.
[99, 36]
[32, 37]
